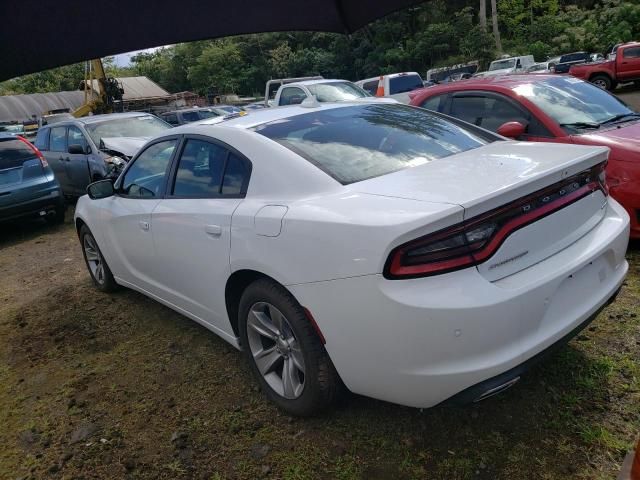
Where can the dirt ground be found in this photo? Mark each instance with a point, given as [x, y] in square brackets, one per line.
[96, 386]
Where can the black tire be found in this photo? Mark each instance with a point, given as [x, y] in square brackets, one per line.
[322, 385]
[58, 217]
[105, 282]
[602, 81]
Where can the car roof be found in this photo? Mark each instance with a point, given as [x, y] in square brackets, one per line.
[500, 82]
[266, 115]
[315, 82]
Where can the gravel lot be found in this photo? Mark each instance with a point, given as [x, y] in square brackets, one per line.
[118, 386]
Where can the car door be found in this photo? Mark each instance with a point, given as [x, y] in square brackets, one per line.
[491, 110]
[192, 227]
[128, 242]
[56, 156]
[629, 64]
[77, 165]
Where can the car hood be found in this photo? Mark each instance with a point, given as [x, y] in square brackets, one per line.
[486, 177]
[624, 140]
[127, 146]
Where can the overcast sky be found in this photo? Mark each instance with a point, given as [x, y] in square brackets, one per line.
[124, 59]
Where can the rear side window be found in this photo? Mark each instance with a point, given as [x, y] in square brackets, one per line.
[58, 139]
[486, 112]
[353, 143]
[235, 175]
[633, 52]
[42, 139]
[435, 103]
[292, 96]
[13, 153]
[404, 83]
[200, 169]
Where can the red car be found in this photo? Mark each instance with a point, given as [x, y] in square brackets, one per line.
[551, 108]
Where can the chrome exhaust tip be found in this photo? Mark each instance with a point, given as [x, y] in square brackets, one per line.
[496, 390]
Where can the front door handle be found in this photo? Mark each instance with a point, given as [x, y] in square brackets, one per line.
[213, 230]
[144, 225]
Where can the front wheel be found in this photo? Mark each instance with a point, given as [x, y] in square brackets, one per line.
[602, 81]
[284, 351]
[96, 264]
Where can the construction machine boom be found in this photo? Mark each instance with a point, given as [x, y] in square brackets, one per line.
[96, 82]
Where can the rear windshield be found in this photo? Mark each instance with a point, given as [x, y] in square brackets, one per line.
[336, 91]
[355, 143]
[13, 153]
[405, 83]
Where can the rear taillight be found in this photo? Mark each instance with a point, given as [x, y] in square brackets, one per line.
[474, 241]
[37, 152]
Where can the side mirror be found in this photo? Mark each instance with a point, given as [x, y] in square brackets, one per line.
[100, 189]
[511, 129]
[76, 148]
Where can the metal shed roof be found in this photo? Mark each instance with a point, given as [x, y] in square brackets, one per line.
[137, 88]
[22, 107]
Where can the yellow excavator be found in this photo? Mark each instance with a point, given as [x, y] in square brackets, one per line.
[108, 90]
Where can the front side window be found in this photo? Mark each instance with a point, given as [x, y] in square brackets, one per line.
[146, 176]
[633, 52]
[58, 139]
[291, 96]
[76, 137]
[354, 143]
[574, 104]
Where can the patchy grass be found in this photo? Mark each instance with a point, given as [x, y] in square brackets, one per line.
[98, 386]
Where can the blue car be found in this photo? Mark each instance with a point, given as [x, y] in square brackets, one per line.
[28, 187]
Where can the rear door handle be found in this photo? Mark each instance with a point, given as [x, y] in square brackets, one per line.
[144, 225]
[213, 230]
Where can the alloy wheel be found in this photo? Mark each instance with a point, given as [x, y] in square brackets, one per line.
[275, 350]
[94, 259]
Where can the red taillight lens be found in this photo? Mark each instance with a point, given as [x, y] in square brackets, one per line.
[37, 152]
[476, 240]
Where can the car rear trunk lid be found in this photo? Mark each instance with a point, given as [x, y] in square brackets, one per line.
[490, 177]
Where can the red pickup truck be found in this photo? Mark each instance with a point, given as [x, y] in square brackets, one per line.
[624, 68]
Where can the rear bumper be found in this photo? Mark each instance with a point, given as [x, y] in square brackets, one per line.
[51, 200]
[419, 342]
[499, 383]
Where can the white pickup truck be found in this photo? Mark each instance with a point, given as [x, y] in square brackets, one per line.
[293, 91]
[504, 66]
[394, 85]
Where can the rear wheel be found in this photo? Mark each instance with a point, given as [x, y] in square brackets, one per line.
[97, 266]
[284, 351]
[602, 81]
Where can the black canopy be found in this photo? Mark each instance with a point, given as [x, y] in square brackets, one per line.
[41, 34]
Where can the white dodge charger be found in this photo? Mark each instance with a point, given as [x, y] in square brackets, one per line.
[383, 248]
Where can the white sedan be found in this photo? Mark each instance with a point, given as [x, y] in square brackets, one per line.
[377, 247]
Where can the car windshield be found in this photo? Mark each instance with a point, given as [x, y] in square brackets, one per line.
[139, 126]
[228, 109]
[11, 128]
[336, 91]
[195, 115]
[502, 64]
[405, 83]
[572, 103]
[355, 143]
